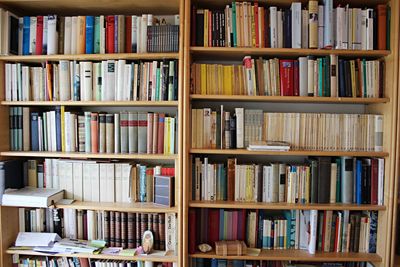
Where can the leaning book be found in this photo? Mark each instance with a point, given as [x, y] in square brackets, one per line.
[32, 197]
[269, 146]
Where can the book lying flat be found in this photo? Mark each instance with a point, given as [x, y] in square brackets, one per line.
[269, 146]
[32, 197]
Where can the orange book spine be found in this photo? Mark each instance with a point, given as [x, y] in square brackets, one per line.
[82, 35]
[94, 129]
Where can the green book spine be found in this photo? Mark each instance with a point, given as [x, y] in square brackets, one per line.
[234, 41]
[320, 77]
[96, 48]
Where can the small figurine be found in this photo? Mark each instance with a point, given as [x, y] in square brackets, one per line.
[147, 242]
[205, 248]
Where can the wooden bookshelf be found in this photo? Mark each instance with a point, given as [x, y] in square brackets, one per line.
[288, 153]
[280, 206]
[91, 57]
[157, 257]
[122, 207]
[93, 103]
[9, 215]
[388, 106]
[235, 52]
[288, 99]
[82, 155]
[298, 255]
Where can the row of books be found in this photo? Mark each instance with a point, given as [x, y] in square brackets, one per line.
[305, 76]
[246, 24]
[102, 181]
[319, 180]
[118, 229]
[41, 261]
[92, 132]
[327, 231]
[110, 80]
[302, 131]
[202, 262]
[52, 34]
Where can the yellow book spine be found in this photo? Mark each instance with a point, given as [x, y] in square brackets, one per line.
[63, 128]
[353, 78]
[253, 27]
[203, 78]
[205, 27]
[229, 80]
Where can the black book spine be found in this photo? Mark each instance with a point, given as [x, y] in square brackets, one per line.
[314, 181]
[287, 29]
[200, 27]
[232, 127]
[348, 78]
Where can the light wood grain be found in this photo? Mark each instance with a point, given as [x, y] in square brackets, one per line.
[93, 103]
[122, 207]
[94, 57]
[82, 155]
[289, 153]
[279, 206]
[167, 258]
[289, 99]
[298, 255]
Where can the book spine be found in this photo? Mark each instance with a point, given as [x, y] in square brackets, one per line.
[89, 35]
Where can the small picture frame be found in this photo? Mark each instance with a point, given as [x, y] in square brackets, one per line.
[164, 190]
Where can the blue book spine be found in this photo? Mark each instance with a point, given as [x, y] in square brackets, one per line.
[214, 263]
[34, 131]
[221, 224]
[58, 128]
[89, 34]
[25, 35]
[328, 23]
[358, 181]
[372, 231]
[116, 35]
[142, 184]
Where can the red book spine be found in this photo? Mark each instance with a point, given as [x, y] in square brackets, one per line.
[110, 34]
[192, 231]
[94, 130]
[286, 76]
[213, 226]
[256, 24]
[374, 182]
[160, 143]
[210, 28]
[382, 14]
[193, 26]
[128, 34]
[39, 35]
[262, 27]
[241, 225]
[150, 117]
[296, 86]
[337, 235]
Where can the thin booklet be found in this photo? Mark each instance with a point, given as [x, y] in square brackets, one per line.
[269, 146]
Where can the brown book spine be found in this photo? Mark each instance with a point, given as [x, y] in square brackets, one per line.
[112, 228]
[124, 236]
[94, 128]
[155, 133]
[149, 184]
[138, 224]
[156, 231]
[231, 180]
[118, 229]
[160, 143]
[128, 34]
[382, 14]
[107, 227]
[85, 226]
[161, 224]
[131, 227]
[143, 225]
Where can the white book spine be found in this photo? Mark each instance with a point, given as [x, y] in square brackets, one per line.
[87, 182]
[77, 174]
[52, 40]
[333, 74]
[102, 35]
[328, 24]
[303, 76]
[26, 85]
[67, 35]
[364, 29]
[296, 24]
[381, 185]
[64, 78]
[339, 27]
[358, 28]
[378, 133]
[239, 127]
[127, 82]
[95, 182]
[110, 81]
[126, 184]
[120, 79]
[279, 27]
[74, 33]
[273, 26]
[86, 81]
[55, 174]
[32, 37]
[45, 33]
[313, 231]
[320, 26]
[370, 29]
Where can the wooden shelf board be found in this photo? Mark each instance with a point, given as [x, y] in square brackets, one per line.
[81, 155]
[280, 206]
[122, 207]
[234, 52]
[116, 56]
[290, 99]
[297, 255]
[156, 258]
[93, 103]
[289, 153]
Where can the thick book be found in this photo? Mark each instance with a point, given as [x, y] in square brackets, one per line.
[324, 175]
[32, 197]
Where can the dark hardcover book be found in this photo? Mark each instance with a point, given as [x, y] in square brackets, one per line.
[124, 232]
[213, 27]
[143, 224]
[85, 225]
[374, 182]
[287, 29]
[213, 226]
[296, 79]
[57, 221]
[118, 229]
[200, 27]
[381, 77]
[366, 181]
[58, 127]
[193, 26]
[131, 229]
[357, 233]
[320, 230]
[161, 224]
[27, 220]
[327, 76]
[11, 127]
[112, 228]
[358, 182]
[106, 226]
[26, 35]
[60, 28]
[34, 131]
[192, 231]
[342, 80]
[373, 228]
[348, 78]
[352, 232]
[314, 181]
[15, 128]
[232, 129]
[175, 80]
[156, 231]
[14, 28]
[333, 232]
[11, 175]
[138, 240]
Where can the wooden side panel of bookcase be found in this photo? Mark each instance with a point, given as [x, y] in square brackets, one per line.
[8, 232]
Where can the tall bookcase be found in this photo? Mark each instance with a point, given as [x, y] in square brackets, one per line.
[388, 106]
[9, 215]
